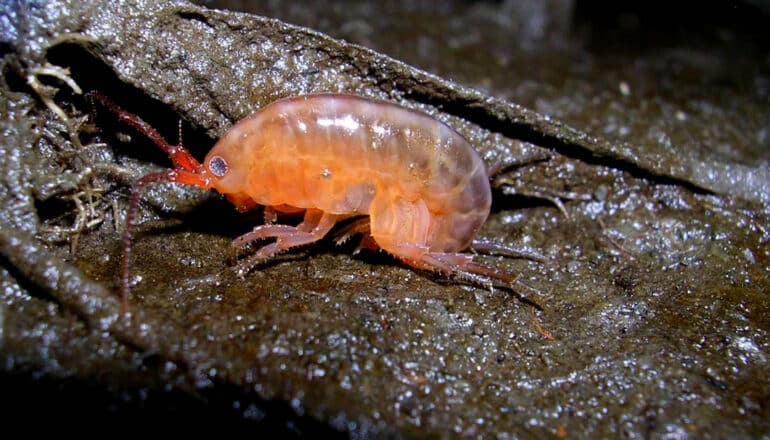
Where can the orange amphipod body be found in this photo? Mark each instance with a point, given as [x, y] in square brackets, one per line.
[423, 190]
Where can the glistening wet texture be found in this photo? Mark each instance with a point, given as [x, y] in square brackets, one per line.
[655, 291]
[424, 188]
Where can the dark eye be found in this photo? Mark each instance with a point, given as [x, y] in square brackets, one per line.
[218, 166]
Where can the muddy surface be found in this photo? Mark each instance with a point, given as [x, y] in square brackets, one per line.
[646, 191]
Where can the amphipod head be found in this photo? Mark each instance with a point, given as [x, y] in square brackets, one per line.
[227, 167]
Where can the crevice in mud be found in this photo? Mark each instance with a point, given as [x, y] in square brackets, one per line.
[492, 118]
[194, 15]
[502, 201]
[92, 74]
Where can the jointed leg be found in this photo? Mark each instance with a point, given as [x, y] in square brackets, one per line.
[310, 222]
[464, 266]
[314, 227]
[361, 227]
[489, 247]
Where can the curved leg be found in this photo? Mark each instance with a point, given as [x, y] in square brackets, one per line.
[270, 230]
[314, 227]
[464, 266]
[453, 263]
[361, 227]
[490, 247]
[263, 232]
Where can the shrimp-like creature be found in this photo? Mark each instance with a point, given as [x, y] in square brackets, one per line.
[416, 188]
